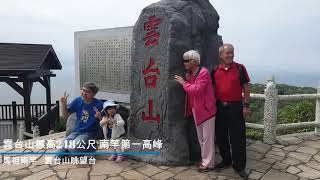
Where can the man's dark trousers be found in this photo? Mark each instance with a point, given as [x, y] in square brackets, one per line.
[231, 124]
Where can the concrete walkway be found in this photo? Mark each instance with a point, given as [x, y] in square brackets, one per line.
[295, 157]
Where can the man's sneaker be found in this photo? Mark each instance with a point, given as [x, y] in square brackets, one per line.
[222, 165]
[242, 173]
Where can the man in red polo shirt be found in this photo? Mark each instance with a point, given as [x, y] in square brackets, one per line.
[230, 80]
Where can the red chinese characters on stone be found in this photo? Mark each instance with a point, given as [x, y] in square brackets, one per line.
[151, 80]
[150, 72]
[152, 35]
[149, 116]
[152, 23]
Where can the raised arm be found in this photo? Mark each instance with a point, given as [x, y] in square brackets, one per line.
[200, 83]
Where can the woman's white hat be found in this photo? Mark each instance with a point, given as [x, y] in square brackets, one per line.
[110, 103]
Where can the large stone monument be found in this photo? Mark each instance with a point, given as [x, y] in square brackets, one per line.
[163, 32]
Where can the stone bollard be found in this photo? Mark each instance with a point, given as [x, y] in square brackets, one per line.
[270, 111]
[22, 129]
[317, 117]
[32, 126]
[51, 132]
[36, 132]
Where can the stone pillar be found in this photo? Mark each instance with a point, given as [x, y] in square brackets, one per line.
[36, 132]
[51, 132]
[317, 117]
[31, 126]
[163, 32]
[270, 111]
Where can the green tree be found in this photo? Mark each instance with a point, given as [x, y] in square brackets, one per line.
[303, 111]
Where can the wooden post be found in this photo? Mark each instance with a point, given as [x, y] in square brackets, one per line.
[48, 98]
[14, 119]
[27, 87]
[58, 107]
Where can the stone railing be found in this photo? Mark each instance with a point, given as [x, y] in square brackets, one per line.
[272, 98]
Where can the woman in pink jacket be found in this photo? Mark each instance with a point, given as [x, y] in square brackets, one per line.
[201, 104]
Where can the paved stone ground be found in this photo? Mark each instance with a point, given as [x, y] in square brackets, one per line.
[294, 157]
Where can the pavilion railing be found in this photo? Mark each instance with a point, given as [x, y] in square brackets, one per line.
[40, 117]
[16, 111]
[271, 97]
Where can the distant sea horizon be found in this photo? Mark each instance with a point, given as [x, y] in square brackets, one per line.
[65, 82]
[300, 79]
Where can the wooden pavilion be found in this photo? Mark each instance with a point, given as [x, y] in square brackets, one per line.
[23, 64]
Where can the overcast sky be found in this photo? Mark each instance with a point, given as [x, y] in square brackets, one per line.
[269, 35]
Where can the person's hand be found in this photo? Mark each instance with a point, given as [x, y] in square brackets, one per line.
[110, 123]
[179, 79]
[104, 120]
[97, 114]
[109, 119]
[188, 76]
[64, 98]
[246, 112]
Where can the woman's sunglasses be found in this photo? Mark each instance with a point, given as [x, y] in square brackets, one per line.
[187, 60]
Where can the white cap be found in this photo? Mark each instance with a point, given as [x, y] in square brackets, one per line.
[110, 103]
